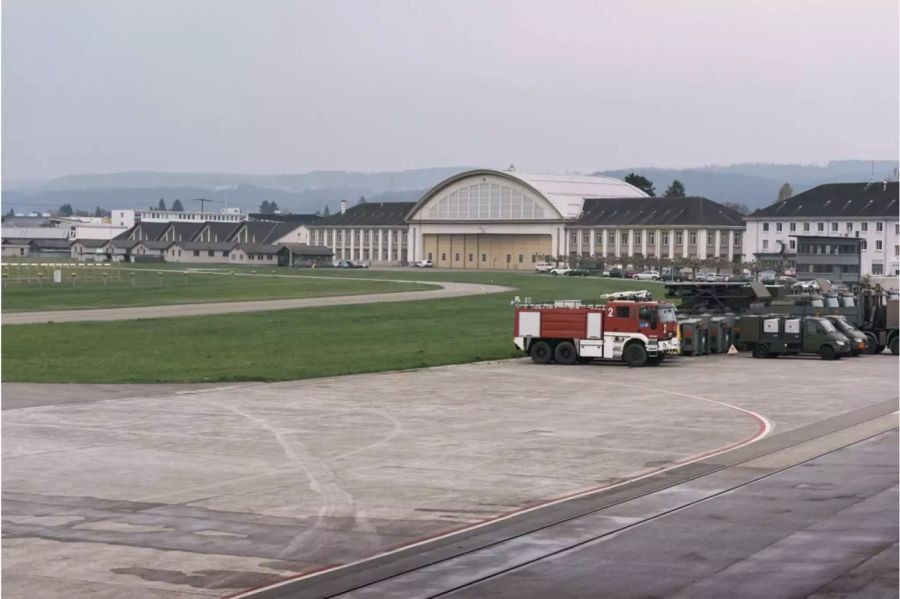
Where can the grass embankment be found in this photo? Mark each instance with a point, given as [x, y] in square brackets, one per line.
[292, 344]
[147, 288]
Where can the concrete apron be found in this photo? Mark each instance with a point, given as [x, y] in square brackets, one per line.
[475, 554]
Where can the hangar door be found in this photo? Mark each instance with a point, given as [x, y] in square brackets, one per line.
[487, 251]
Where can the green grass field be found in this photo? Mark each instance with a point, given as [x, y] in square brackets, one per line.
[292, 344]
[147, 288]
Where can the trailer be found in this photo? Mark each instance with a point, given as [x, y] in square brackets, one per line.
[640, 333]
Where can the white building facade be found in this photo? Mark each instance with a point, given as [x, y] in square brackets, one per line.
[866, 211]
[128, 218]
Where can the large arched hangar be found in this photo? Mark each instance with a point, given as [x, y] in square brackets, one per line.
[502, 219]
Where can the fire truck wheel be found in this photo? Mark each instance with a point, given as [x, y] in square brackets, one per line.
[565, 353]
[655, 360]
[895, 349]
[540, 352]
[635, 354]
[761, 351]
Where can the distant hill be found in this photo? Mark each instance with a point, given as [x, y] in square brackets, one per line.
[306, 192]
[755, 185]
[246, 197]
[370, 182]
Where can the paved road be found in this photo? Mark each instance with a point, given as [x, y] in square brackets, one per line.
[105, 314]
[781, 525]
[112, 490]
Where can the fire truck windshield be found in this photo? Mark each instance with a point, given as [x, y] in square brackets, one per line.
[667, 314]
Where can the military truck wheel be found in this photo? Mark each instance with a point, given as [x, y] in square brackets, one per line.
[827, 352]
[895, 348]
[565, 353]
[761, 351]
[635, 355]
[540, 352]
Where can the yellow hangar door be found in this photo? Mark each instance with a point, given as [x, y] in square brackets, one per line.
[488, 251]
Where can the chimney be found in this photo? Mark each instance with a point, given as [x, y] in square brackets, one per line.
[343, 206]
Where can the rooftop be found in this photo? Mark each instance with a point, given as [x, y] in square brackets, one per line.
[566, 193]
[371, 214]
[646, 211]
[842, 200]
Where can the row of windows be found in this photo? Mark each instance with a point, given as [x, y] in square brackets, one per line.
[186, 216]
[834, 227]
[832, 268]
[828, 248]
[363, 236]
[814, 248]
[651, 238]
[485, 200]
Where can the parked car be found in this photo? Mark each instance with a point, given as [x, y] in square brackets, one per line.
[650, 275]
[349, 264]
[423, 264]
[629, 273]
[577, 272]
[544, 266]
[560, 270]
[615, 273]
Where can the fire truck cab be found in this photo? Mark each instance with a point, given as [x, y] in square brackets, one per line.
[639, 333]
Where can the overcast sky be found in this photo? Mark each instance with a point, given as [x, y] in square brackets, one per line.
[293, 86]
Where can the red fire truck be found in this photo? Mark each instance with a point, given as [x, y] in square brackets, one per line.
[637, 332]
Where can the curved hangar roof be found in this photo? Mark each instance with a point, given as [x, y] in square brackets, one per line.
[565, 193]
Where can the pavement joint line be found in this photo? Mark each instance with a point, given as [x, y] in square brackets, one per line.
[170, 395]
[467, 530]
[627, 527]
[764, 428]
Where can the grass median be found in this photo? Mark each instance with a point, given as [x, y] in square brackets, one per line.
[291, 344]
[154, 287]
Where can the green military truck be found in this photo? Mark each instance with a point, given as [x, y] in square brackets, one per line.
[773, 335]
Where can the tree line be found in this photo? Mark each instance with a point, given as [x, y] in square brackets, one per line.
[677, 190]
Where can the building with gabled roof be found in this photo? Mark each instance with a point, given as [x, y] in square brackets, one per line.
[180, 231]
[144, 231]
[200, 252]
[216, 232]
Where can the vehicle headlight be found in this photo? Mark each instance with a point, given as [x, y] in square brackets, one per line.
[841, 343]
[860, 340]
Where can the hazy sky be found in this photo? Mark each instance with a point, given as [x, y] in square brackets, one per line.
[292, 86]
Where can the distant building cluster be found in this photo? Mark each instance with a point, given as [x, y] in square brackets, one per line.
[508, 220]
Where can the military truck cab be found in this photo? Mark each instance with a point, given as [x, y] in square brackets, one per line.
[857, 338]
[770, 336]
